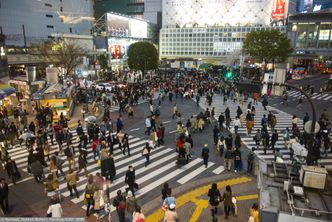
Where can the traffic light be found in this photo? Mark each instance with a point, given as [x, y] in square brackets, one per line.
[229, 75]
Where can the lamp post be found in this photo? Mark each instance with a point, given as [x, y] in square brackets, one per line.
[310, 142]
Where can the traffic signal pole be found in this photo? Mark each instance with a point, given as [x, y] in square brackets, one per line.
[313, 123]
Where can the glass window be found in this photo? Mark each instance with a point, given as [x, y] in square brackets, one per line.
[324, 35]
[312, 35]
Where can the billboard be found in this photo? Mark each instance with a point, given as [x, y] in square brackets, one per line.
[278, 9]
[117, 25]
[121, 26]
[118, 48]
[138, 28]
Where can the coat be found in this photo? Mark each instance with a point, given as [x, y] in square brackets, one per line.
[36, 168]
[130, 178]
[227, 198]
[55, 210]
[72, 179]
[4, 191]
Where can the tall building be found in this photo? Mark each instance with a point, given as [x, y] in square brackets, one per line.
[135, 8]
[28, 21]
[214, 29]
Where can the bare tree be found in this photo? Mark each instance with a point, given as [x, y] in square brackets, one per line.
[62, 54]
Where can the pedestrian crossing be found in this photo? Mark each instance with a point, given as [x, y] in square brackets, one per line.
[316, 95]
[162, 168]
[284, 120]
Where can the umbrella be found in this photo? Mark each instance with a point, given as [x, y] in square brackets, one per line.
[90, 119]
[25, 136]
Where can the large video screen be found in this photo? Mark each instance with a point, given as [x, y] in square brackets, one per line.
[217, 12]
[117, 25]
[118, 48]
[121, 26]
[138, 29]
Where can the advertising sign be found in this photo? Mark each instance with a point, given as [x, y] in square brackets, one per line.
[138, 29]
[118, 48]
[117, 25]
[278, 9]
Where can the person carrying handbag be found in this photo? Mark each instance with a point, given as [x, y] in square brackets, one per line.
[88, 194]
[214, 197]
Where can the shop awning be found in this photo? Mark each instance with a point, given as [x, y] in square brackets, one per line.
[6, 90]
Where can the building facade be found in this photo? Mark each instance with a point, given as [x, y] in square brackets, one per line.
[3, 57]
[196, 43]
[311, 34]
[214, 29]
[135, 8]
[28, 21]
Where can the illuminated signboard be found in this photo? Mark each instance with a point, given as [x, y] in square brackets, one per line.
[278, 10]
[118, 48]
[121, 26]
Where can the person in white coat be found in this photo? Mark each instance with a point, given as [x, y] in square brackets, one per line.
[55, 209]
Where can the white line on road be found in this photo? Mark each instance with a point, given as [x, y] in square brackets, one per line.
[134, 129]
[174, 131]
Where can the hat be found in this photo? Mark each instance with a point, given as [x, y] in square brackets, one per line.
[172, 206]
[129, 193]
[205, 145]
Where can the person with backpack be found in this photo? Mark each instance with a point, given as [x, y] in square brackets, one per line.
[205, 155]
[214, 197]
[120, 203]
[90, 188]
[251, 160]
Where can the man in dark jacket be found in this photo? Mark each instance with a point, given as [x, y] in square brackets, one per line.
[274, 139]
[120, 203]
[130, 179]
[12, 170]
[4, 195]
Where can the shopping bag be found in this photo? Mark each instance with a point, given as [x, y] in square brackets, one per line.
[99, 164]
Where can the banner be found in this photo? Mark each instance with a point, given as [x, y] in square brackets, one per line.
[278, 9]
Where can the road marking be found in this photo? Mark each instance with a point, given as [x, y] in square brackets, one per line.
[134, 129]
[21, 181]
[194, 173]
[201, 205]
[174, 131]
[219, 170]
[328, 98]
[167, 122]
[158, 215]
[247, 197]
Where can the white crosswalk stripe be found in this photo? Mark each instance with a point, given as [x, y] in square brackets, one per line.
[163, 167]
[284, 120]
[316, 95]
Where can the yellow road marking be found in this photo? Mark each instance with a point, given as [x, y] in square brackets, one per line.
[188, 197]
[200, 206]
[247, 197]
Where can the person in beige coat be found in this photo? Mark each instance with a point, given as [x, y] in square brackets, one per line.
[72, 179]
[170, 214]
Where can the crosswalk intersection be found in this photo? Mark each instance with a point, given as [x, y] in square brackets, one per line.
[163, 168]
[284, 120]
[316, 95]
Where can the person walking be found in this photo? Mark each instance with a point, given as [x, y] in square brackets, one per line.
[12, 170]
[166, 189]
[55, 209]
[51, 186]
[175, 111]
[228, 159]
[214, 197]
[147, 125]
[138, 216]
[237, 124]
[250, 161]
[90, 188]
[254, 213]
[72, 179]
[237, 160]
[119, 202]
[205, 155]
[131, 205]
[4, 196]
[274, 139]
[170, 214]
[227, 199]
[36, 169]
[221, 145]
[130, 180]
[82, 162]
[146, 153]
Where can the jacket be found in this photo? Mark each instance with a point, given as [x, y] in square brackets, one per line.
[71, 179]
[55, 210]
[227, 198]
[131, 204]
[130, 177]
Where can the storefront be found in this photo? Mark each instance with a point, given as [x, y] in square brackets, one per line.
[7, 97]
[57, 97]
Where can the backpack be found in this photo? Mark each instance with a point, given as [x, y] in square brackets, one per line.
[121, 206]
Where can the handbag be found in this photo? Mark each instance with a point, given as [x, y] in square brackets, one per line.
[99, 164]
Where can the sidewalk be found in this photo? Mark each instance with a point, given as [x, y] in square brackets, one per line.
[192, 200]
